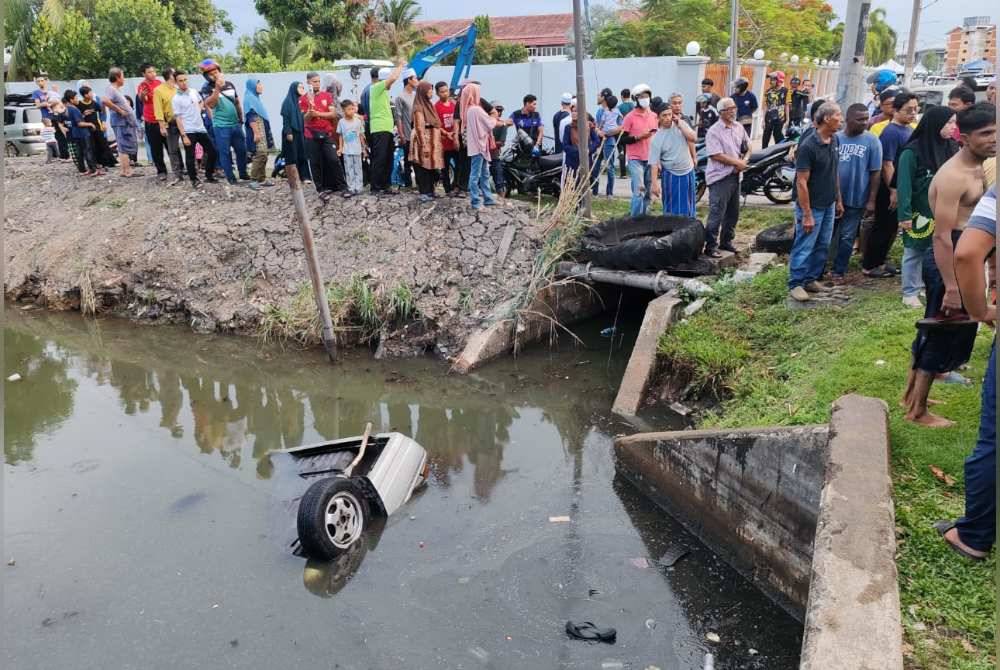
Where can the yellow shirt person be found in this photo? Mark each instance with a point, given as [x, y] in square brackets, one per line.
[163, 102]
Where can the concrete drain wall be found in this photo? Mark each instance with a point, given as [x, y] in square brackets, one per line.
[805, 512]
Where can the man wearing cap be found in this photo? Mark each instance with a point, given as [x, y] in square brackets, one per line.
[404, 118]
[638, 129]
[227, 121]
[565, 109]
[380, 122]
[530, 121]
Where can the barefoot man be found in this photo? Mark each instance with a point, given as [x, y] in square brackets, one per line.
[954, 192]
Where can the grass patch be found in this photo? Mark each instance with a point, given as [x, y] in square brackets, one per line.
[774, 366]
[357, 306]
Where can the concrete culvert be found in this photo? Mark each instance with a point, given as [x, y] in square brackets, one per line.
[644, 242]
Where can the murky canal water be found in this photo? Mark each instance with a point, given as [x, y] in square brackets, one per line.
[146, 527]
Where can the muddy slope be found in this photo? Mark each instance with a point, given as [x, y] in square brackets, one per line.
[220, 257]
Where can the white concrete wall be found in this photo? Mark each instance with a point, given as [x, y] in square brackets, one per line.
[506, 83]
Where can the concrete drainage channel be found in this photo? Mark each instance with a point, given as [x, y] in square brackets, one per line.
[804, 512]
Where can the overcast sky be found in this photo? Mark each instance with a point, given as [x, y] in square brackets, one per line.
[938, 17]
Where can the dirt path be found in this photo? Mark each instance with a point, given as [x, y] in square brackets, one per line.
[222, 258]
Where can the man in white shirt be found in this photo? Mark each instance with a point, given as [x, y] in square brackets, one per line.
[190, 125]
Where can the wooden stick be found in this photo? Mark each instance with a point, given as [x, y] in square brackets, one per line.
[361, 451]
[319, 290]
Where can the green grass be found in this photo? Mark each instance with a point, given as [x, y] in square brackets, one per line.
[357, 306]
[774, 366]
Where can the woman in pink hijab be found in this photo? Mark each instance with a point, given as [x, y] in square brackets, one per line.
[478, 135]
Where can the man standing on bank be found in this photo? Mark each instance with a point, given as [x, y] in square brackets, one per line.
[817, 184]
[380, 122]
[946, 344]
[186, 108]
[728, 148]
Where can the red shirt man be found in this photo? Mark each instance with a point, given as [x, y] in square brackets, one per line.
[445, 108]
[317, 101]
[145, 93]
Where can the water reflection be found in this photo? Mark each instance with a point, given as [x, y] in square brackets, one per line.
[228, 413]
[41, 400]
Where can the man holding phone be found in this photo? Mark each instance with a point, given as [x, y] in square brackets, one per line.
[227, 121]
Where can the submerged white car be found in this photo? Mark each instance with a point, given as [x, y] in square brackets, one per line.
[353, 480]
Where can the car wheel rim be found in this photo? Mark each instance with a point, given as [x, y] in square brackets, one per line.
[344, 520]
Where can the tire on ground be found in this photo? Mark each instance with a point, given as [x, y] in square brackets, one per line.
[644, 243]
[777, 239]
[318, 539]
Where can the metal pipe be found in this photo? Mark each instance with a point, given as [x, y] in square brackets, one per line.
[657, 282]
[319, 291]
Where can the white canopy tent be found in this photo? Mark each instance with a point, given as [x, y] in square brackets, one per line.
[891, 64]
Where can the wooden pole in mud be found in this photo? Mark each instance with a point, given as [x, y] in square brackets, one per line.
[319, 292]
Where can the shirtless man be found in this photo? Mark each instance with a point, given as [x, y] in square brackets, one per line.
[954, 192]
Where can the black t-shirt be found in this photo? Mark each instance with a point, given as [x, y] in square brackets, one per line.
[799, 104]
[556, 119]
[822, 161]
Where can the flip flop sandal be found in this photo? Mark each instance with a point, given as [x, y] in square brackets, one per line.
[585, 630]
[943, 527]
[878, 273]
[954, 378]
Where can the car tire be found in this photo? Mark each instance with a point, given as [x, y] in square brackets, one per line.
[332, 516]
[10, 150]
[777, 239]
[644, 243]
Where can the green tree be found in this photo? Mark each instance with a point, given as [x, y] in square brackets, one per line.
[19, 17]
[133, 32]
[201, 19]
[275, 49]
[396, 30]
[69, 52]
[328, 21]
[880, 42]
[931, 61]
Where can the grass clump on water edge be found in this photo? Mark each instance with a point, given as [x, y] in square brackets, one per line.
[775, 366]
[357, 305]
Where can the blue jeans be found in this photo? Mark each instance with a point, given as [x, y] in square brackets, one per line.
[844, 244]
[496, 171]
[227, 138]
[912, 272]
[639, 174]
[978, 528]
[809, 250]
[479, 182]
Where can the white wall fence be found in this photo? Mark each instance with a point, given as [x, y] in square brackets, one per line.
[508, 84]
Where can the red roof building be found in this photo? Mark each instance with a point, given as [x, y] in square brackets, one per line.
[543, 34]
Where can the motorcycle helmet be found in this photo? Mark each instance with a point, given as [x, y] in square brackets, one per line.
[882, 79]
[795, 80]
[740, 85]
[207, 67]
[640, 89]
[780, 76]
[701, 99]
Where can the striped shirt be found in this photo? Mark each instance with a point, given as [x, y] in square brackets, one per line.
[984, 216]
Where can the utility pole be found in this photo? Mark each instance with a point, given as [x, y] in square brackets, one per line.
[911, 47]
[734, 41]
[582, 123]
[851, 79]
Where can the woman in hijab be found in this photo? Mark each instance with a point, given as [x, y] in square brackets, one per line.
[426, 151]
[928, 148]
[258, 131]
[478, 133]
[293, 148]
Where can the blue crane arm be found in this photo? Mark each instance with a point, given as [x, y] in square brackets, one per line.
[464, 42]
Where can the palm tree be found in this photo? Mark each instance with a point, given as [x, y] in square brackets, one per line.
[19, 21]
[880, 45]
[286, 44]
[396, 30]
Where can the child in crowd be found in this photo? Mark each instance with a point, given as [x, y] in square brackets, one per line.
[352, 145]
[51, 145]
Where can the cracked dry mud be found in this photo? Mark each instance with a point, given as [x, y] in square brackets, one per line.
[217, 258]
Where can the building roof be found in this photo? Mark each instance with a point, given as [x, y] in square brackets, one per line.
[532, 31]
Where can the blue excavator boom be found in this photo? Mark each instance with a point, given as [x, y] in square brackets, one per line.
[463, 41]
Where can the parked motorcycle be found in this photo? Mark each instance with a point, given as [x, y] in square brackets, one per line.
[527, 173]
[764, 175]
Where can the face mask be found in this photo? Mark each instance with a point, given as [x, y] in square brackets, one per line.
[644, 103]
